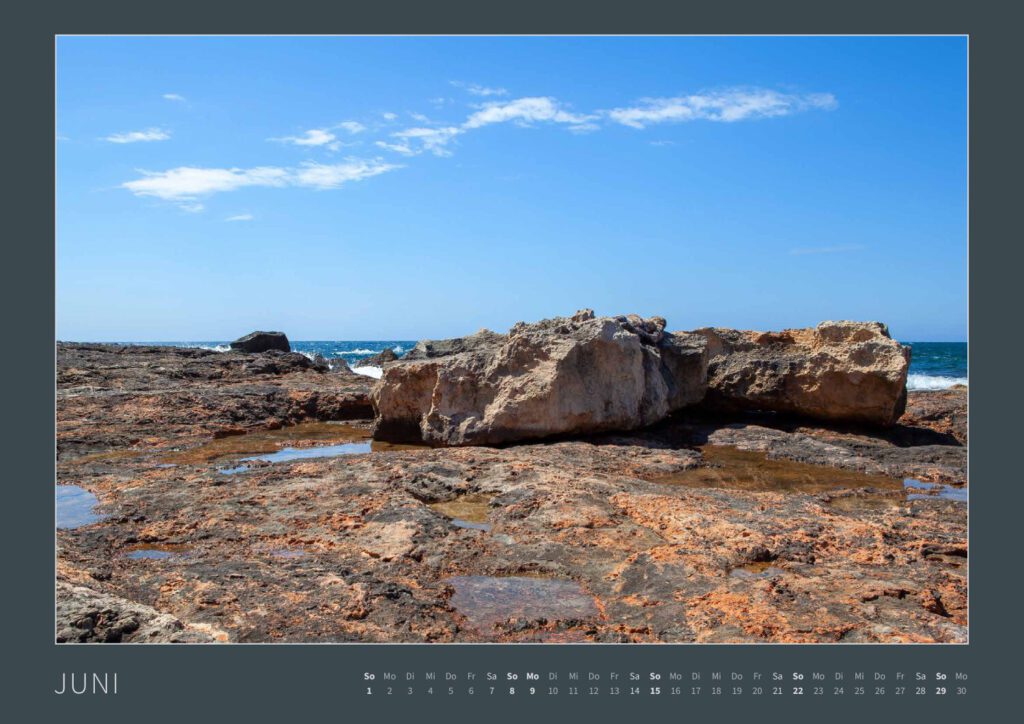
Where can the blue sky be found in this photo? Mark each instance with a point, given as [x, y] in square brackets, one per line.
[402, 188]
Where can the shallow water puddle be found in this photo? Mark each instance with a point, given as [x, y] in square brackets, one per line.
[288, 454]
[729, 467]
[756, 569]
[155, 552]
[467, 511]
[75, 507]
[459, 523]
[233, 471]
[486, 601]
[931, 491]
[264, 442]
[288, 553]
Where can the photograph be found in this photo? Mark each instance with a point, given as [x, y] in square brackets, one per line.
[510, 339]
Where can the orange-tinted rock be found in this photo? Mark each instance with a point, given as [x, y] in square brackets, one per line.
[848, 371]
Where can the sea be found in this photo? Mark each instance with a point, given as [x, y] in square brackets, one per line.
[933, 365]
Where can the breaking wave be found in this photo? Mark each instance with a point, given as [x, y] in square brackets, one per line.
[933, 382]
[374, 372]
[214, 347]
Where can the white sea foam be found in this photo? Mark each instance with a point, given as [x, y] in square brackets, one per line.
[359, 351]
[215, 347]
[933, 382]
[374, 372]
[398, 349]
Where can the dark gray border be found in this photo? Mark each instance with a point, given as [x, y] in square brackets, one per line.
[261, 683]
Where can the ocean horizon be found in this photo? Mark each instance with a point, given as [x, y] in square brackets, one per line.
[933, 365]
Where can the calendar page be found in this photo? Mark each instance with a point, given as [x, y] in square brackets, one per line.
[613, 368]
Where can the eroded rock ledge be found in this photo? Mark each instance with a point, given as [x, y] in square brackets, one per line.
[116, 396]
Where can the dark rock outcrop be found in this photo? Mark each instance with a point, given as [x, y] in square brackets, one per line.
[262, 342]
[115, 396]
[379, 360]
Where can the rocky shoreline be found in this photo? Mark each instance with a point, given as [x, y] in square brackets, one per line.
[706, 521]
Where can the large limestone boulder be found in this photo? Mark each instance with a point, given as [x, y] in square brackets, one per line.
[850, 371]
[262, 342]
[576, 375]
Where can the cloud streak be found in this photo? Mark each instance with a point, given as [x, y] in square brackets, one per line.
[522, 112]
[185, 184]
[148, 135]
[525, 111]
[479, 90]
[325, 137]
[312, 137]
[174, 97]
[726, 106]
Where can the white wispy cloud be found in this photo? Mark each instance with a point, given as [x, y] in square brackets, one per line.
[402, 148]
[174, 97]
[525, 111]
[312, 137]
[837, 249]
[479, 90]
[352, 126]
[522, 111]
[333, 175]
[724, 106]
[325, 137]
[433, 140]
[187, 183]
[389, 116]
[240, 217]
[150, 134]
[191, 207]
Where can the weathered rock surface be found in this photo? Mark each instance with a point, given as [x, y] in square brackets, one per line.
[355, 548]
[112, 397]
[87, 616]
[262, 342]
[851, 371]
[944, 411]
[561, 376]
